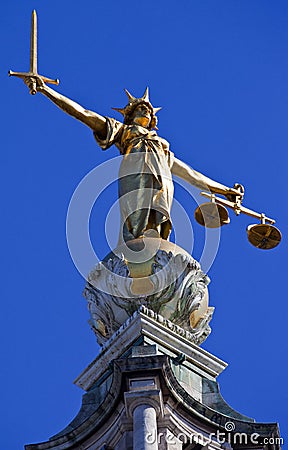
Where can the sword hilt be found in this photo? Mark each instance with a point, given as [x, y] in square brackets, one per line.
[23, 75]
[49, 80]
[33, 76]
[33, 87]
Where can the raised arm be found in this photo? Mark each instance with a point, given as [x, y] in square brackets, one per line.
[182, 170]
[93, 120]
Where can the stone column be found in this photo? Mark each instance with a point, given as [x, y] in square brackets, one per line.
[145, 434]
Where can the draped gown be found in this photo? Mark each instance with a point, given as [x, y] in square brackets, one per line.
[145, 184]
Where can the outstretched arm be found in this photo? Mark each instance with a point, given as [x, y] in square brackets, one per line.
[182, 170]
[91, 119]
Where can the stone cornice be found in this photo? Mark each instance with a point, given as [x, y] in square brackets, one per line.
[81, 428]
[145, 322]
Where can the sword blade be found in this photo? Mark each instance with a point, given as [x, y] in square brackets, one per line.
[33, 44]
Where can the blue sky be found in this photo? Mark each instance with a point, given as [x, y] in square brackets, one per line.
[219, 69]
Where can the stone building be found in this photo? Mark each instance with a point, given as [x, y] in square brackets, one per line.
[152, 386]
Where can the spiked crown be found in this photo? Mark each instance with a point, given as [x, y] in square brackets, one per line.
[133, 102]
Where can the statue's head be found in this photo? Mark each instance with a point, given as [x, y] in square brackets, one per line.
[139, 111]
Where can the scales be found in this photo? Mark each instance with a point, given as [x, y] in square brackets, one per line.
[214, 214]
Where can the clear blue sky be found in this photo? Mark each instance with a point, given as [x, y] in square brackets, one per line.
[219, 69]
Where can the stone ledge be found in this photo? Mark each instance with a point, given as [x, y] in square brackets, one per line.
[147, 324]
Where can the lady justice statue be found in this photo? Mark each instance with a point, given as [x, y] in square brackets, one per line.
[145, 194]
[145, 178]
[163, 278]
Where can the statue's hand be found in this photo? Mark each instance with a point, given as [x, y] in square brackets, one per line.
[34, 84]
[236, 193]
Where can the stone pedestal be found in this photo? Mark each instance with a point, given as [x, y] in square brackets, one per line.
[148, 272]
[150, 388]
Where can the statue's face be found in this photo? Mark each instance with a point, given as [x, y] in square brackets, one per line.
[142, 115]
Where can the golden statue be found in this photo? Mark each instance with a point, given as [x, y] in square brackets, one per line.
[145, 178]
[159, 275]
[148, 164]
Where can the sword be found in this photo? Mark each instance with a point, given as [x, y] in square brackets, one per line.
[33, 72]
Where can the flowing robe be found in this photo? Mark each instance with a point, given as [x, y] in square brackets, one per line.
[145, 182]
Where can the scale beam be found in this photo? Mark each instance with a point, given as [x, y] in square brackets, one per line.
[238, 208]
[214, 214]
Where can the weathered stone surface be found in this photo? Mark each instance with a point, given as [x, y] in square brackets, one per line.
[148, 328]
[179, 416]
[152, 387]
[162, 277]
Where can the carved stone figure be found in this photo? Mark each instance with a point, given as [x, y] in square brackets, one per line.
[172, 285]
